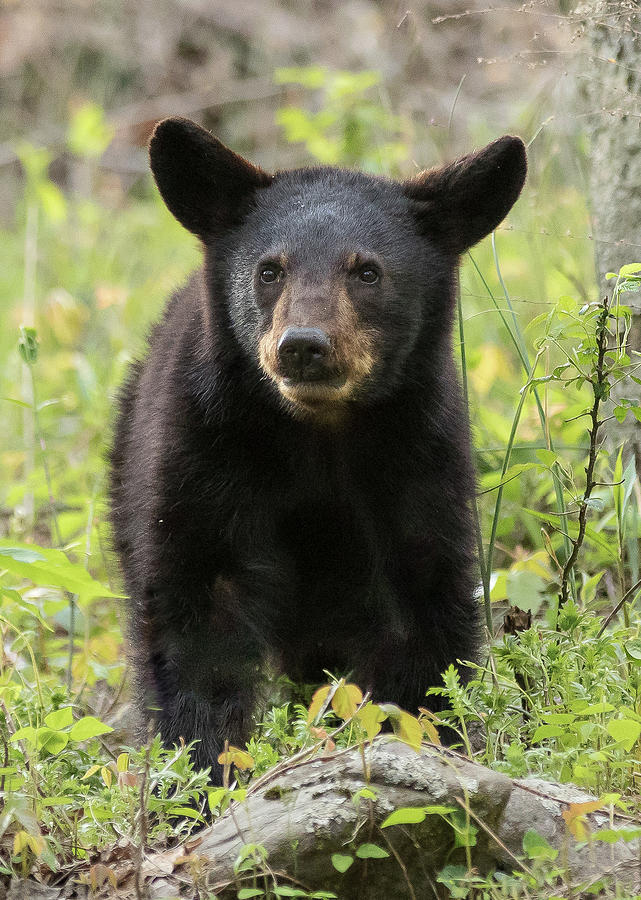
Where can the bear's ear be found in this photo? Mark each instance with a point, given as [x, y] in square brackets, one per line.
[204, 184]
[460, 203]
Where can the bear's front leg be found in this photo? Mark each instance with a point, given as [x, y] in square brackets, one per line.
[434, 623]
[198, 670]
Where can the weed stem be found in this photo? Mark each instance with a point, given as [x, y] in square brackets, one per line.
[599, 389]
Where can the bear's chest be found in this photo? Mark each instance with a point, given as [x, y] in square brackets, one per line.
[329, 539]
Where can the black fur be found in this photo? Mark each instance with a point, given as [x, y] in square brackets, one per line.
[247, 531]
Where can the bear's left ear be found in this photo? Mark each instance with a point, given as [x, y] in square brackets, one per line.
[460, 203]
[204, 184]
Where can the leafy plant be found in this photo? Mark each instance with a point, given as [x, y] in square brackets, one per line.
[349, 128]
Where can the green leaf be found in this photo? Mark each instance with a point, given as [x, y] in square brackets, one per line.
[341, 861]
[512, 473]
[524, 589]
[283, 890]
[630, 269]
[631, 285]
[89, 133]
[88, 727]
[248, 893]
[185, 812]
[17, 402]
[547, 731]
[536, 847]
[408, 729]
[547, 457]
[319, 701]
[28, 733]
[53, 742]
[60, 718]
[543, 516]
[498, 586]
[364, 794]
[583, 708]
[344, 84]
[612, 835]
[594, 537]
[22, 554]
[28, 345]
[633, 650]
[216, 797]
[590, 534]
[17, 598]
[590, 585]
[558, 718]
[457, 880]
[464, 831]
[618, 488]
[629, 477]
[34, 161]
[53, 570]
[371, 851]
[311, 77]
[406, 815]
[370, 717]
[234, 756]
[52, 201]
[624, 731]
[58, 801]
[346, 699]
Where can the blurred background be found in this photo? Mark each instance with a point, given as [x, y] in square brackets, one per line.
[144, 59]
[88, 254]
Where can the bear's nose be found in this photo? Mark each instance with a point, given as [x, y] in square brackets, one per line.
[303, 352]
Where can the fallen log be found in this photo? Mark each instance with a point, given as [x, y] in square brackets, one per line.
[302, 813]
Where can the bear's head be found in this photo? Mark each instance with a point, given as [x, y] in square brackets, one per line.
[333, 281]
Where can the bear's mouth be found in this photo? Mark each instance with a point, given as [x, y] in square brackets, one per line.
[316, 393]
[332, 382]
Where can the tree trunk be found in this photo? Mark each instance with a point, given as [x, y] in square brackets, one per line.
[611, 85]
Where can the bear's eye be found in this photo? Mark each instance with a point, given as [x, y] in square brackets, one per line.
[369, 275]
[270, 274]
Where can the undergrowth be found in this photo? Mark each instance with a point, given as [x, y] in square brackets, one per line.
[557, 697]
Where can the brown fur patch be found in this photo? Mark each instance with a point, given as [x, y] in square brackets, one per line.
[352, 355]
[355, 344]
[268, 345]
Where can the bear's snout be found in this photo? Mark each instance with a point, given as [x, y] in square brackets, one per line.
[317, 351]
[303, 354]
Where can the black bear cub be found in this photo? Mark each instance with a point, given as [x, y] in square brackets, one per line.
[291, 475]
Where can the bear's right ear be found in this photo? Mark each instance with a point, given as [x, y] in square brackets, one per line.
[204, 184]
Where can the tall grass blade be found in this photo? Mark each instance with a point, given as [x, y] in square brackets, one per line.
[516, 337]
[485, 580]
